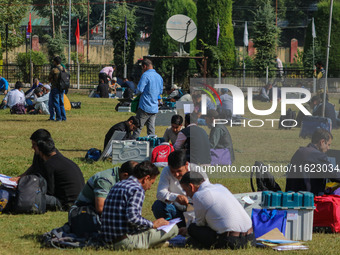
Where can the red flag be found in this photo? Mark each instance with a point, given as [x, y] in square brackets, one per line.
[92, 31]
[77, 32]
[96, 29]
[29, 28]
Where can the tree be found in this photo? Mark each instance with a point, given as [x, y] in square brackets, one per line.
[265, 37]
[116, 22]
[61, 10]
[55, 47]
[209, 13]
[163, 45]
[11, 13]
[321, 40]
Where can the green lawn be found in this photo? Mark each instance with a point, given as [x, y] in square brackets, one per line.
[85, 128]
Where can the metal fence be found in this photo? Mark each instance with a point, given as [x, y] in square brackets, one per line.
[88, 75]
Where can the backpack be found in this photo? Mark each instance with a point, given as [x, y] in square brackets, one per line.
[161, 152]
[63, 80]
[84, 220]
[18, 109]
[93, 154]
[30, 197]
[128, 93]
[290, 115]
[264, 179]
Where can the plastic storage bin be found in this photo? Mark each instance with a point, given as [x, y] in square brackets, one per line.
[123, 151]
[124, 109]
[249, 201]
[163, 117]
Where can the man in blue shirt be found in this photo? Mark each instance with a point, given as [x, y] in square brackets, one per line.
[3, 85]
[151, 87]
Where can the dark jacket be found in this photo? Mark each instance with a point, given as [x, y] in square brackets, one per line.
[121, 126]
[301, 177]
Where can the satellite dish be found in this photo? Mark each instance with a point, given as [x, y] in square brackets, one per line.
[181, 28]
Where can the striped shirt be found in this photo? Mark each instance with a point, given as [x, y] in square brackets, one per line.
[122, 213]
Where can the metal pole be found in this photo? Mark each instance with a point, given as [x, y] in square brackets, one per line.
[219, 72]
[172, 76]
[327, 58]
[276, 12]
[244, 68]
[31, 64]
[314, 79]
[104, 21]
[69, 33]
[78, 73]
[88, 29]
[53, 30]
[267, 75]
[125, 59]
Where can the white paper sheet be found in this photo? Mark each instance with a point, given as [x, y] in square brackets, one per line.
[172, 223]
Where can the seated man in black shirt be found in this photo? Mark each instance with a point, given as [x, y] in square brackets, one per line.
[103, 89]
[310, 167]
[64, 178]
[125, 126]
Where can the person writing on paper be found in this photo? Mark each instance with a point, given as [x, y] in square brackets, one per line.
[128, 126]
[221, 221]
[171, 199]
[123, 226]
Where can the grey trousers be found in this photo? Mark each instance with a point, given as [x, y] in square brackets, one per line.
[147, 119]
[145, 240]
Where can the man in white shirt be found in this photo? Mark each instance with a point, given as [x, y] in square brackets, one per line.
[171, 199]
[15, 96]
[221, 221]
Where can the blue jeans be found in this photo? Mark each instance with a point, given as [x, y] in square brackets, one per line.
[56, 105]
[167, 211]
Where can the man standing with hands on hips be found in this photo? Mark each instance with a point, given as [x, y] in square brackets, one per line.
[150, 87]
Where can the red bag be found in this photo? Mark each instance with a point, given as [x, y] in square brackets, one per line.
[161, 152]
[327, 212]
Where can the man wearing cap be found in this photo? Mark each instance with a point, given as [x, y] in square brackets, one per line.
[42, 100]
[221, 221]
[106, 73]
[114, 85]
[125, 126]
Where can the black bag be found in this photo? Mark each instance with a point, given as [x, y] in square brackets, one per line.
[84, 220]
[63, 80]
[75, 105]
[264, 179]
[128, 93]
[290, 115]
[30, 197]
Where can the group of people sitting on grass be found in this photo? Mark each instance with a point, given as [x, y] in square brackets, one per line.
[33, 101]
[117, 195]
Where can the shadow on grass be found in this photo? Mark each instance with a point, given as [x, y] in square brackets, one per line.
[71, 150]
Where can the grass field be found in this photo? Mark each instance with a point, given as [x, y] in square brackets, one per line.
[85, 128]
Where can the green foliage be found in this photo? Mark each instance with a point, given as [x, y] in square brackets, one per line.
[265, 37]
[209, 13]
[321, 40]
[61, 10]
[116, 22]
[55, 47]
[11, 13]
[23, 61]
[162, 44]
[81, 58]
